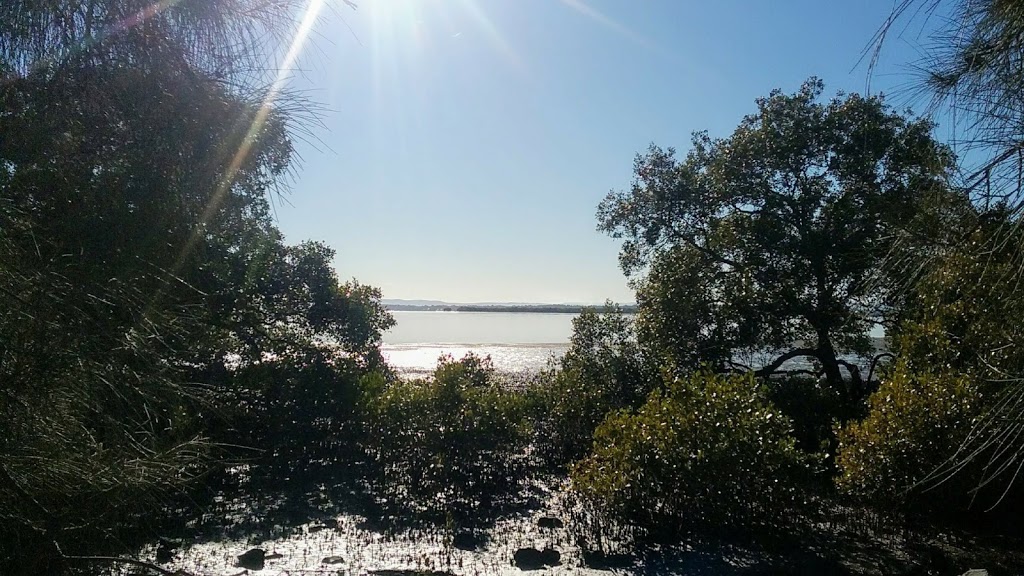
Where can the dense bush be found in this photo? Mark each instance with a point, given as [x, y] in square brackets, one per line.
[569, 409]
[958, 342]
[605, 369]
[706, 452]
[815, 410]
[445, 445]
[916, 422]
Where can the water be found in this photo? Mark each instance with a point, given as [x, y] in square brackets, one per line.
[517, 342]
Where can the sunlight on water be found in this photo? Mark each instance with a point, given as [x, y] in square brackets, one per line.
[417, 359]
[516, 342]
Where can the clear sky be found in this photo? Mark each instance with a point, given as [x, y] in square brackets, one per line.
[466, 143]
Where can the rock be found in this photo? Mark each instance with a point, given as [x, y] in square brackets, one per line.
[273, 556]
[976, 572]
[533, 559]
[466, 541]
[252, 560]
[551, 557]
[316, 528]
[333, 560]
[549, 522]
[165, 550]
[409, 573]
[603, 561]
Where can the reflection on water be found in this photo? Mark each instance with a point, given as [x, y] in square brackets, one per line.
[516, 341]
[420, 359]
[344, 546]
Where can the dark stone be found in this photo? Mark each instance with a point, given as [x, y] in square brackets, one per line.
[549, 522]
[603, 561]
[333, 560]
[466, 541]
[317, 528]
[252, 560]
[273, 556]
[165, 550]
[551, 557]
[533, 559]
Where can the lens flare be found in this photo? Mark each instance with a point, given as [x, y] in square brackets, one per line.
[309, 18]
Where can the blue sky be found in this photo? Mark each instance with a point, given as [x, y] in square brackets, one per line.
[466, 143]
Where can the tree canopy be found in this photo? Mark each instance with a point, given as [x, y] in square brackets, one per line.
[147, 290]
[769, 239]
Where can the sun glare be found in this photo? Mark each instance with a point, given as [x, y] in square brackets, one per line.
[415, 24]
[309, 17]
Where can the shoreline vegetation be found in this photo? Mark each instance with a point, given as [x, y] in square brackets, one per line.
[183, 392]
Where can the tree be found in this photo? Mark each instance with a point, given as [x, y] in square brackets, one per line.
[140, 269]
[973, 68]
[604, 369]
[936, 434]
[771, 237]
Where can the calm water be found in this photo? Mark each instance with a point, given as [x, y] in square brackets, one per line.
[515, 341]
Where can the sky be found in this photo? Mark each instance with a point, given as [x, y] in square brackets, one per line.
[464, 144]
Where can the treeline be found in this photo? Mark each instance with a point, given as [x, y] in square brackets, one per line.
[163, 351]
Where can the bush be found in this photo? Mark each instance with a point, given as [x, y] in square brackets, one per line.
[569, 410]
[447, 445]
[815, 410]
[707, 452]
[605, 369]
[916, 422]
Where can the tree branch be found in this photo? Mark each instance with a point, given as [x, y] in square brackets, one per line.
[775, 364]
[874, 363]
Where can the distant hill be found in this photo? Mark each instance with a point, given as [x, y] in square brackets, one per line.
[399, 302]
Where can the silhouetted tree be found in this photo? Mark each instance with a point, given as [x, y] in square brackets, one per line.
[767, 239]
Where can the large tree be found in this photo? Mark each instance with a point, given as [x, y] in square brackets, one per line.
[141, 273]
[769, 239]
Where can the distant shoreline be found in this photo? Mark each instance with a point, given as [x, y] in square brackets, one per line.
[511, 308]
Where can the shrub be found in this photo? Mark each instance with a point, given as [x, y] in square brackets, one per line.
[449, 444]
[605, 369]
[814, 409]
[570, 409]
[916, 422]
[709, 451]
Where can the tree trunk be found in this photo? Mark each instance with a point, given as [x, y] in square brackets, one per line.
[854, 387]
[826, 354]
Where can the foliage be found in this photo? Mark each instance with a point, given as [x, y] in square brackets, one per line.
[604, 369]
[447, 446]
[916, 421]
[770, 237]
[959, 344]
[604, 349]
[972, 65]
[959, 315]
[814, 409]
[708, 452]
[146, 288]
